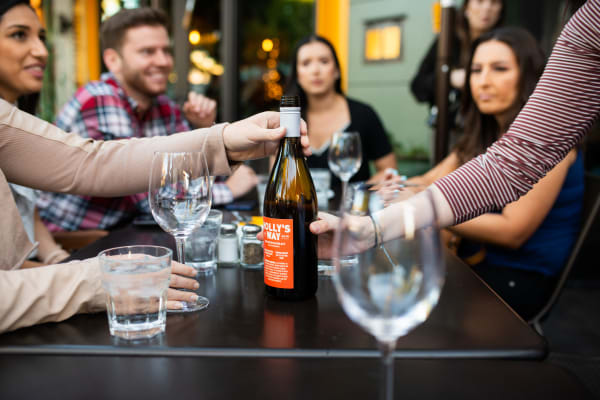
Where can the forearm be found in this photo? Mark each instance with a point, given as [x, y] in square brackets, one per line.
[561, 110]
[432, 210]
[490, 228]
[49, 294]
[63, 162]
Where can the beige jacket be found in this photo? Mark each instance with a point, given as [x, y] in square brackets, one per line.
[36, 154]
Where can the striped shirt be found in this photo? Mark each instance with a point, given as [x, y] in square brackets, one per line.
[561, 110]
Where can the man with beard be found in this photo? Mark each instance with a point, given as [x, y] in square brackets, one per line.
[130, 101]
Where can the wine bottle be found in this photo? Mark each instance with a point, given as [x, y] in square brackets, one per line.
[290, 205]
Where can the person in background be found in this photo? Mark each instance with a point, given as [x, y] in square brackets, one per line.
[474, 18]
[561, 110]
[21, 75]
[519, 251]
[316, 78]
[130, 101]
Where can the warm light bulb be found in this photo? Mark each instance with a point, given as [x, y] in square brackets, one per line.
[267, 45]
[194, 37]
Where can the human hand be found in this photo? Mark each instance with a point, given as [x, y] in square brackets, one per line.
[242, 181]
[258, 136]
[178, 280]
[200, 110]
[326, 224]
[383, 176]
[324, 227]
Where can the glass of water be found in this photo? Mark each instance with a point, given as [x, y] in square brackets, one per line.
[136, 280]
[200, 246]
[390, 288]
[345, 157]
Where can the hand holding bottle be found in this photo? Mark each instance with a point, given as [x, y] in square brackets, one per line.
[258, 136]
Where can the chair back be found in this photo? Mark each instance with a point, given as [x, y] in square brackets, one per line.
[591, 207]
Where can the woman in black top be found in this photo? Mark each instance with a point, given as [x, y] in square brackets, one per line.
[315, 77]
[474, 18]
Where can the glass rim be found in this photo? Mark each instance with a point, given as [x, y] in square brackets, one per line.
[169, 252]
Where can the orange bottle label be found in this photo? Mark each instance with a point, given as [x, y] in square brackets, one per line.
[279, 252]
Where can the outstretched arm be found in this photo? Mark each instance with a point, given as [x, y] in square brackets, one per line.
[559, 113]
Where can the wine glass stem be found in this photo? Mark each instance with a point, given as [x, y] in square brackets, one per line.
[180, 244]
[343, 198]
[387, 369]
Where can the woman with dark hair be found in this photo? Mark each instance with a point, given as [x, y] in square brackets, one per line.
[520, 250]
[474, 18]
[316, 78]
[24, 57]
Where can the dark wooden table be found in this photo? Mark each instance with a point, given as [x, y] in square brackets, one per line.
[469, 322]
[68, 377]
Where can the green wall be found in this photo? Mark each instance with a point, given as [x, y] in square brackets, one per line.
[386, 86]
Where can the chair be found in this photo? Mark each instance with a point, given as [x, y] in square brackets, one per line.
[591, 206]
[71, 241]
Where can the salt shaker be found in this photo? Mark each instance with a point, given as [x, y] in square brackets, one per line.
[227, 245]
[252, 250]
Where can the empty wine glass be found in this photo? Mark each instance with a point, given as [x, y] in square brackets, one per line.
[180, 199]
[345, 157]
[390, 288]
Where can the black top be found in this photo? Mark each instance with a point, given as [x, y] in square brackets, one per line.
[375, 142]
[423, 84]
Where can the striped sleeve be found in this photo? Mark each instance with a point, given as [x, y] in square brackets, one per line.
[559, 113]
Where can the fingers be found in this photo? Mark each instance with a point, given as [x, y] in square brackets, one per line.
[178, 281]
[305, 145]
[175, 297]
[260, 236]
[182, 269]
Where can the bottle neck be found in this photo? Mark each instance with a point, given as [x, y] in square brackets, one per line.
[289, 117]
[290, 146]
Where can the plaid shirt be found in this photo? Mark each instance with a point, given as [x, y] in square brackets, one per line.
[101, 110]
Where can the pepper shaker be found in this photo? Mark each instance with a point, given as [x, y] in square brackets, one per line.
[252, 250]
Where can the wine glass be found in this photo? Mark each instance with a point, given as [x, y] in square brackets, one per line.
[345, 157]
[180, 199]
[390, 288]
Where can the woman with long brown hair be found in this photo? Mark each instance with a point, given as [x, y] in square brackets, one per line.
[521, 249]
[474, 18]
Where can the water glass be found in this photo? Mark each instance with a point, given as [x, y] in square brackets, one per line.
[200, 246]
[322, 179]
[136, 279]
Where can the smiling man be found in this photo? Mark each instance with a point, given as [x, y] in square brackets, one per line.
[130, 101]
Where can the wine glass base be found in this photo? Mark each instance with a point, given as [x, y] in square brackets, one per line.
[200, 304]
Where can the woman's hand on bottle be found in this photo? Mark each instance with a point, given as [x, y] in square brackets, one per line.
[178, 280]
[257, 136]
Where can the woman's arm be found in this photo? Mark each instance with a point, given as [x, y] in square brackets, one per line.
[563, 107]
[383, 163]
[61, 162]
[519, 220]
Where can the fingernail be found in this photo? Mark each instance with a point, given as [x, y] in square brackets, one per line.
[177, 305]
[194, 298]
[196, 285]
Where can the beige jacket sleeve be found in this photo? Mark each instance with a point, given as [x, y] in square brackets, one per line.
[49, 294]
[37, 154]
